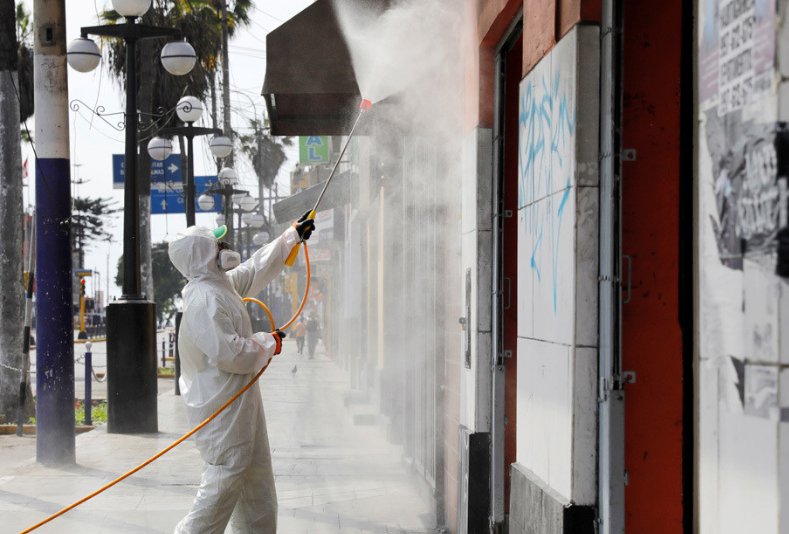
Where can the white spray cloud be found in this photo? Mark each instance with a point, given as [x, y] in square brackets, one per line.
[412, 50]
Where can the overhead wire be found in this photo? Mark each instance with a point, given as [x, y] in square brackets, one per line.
[256, 8]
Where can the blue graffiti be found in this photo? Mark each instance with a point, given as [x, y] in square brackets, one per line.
[546, 133]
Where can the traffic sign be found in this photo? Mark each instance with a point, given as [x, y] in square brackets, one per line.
[167, 188]
[168, 170]
[168, 197]
[82, 273]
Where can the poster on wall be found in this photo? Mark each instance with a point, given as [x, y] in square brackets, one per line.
[743, 201]
[747, 150]
[737, 52]
[750, 172]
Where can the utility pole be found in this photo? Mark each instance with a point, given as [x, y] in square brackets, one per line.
[55, 332]
[226, 83]
[12, 305]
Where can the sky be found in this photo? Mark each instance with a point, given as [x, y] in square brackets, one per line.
[92, 141]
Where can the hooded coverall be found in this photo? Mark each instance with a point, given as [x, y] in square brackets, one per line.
[220, 355]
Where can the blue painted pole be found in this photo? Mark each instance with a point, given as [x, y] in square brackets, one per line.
[88, 393]
[54, 329]
[55, 444]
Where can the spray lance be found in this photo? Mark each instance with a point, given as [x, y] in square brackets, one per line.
[365, 105]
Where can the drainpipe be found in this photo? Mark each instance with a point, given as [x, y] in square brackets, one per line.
[611, 395]
[500, 302]
[498, 367]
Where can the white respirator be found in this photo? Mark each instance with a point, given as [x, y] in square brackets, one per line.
[228, 259]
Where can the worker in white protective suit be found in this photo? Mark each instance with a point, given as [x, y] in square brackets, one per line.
[220, 354]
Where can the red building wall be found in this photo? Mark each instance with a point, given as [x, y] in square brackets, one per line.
[652, 343]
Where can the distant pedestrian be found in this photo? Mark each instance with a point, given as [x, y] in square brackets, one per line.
[313, 334]
[301, 330]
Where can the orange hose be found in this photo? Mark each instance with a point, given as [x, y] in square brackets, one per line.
[151, 459]
[265, 309]
[198, 427]
[306, 290]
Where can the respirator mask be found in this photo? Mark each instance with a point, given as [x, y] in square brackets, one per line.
[227, 258]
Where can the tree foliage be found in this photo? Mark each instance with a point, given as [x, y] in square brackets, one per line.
[265, 152]
[200, 24]
[167, 282]
[89, 220]
[24, 37]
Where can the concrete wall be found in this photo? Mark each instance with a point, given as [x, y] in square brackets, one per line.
[557, 274]
[743, 296]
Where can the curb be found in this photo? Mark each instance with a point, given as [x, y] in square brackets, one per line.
[6, 430]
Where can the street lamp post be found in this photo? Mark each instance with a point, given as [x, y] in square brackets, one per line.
[246, 204]
[227, 178]
[131, 321]
[254, 221]
[189, 110]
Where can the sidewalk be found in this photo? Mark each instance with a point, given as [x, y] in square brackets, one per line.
[331, 476]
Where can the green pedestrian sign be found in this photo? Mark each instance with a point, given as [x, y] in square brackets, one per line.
[313, 149]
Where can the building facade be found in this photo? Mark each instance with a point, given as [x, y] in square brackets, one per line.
[563, 293]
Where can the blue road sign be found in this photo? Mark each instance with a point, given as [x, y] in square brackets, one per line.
[167, 188]
[168, 197]
[118, 161]
[168, 170]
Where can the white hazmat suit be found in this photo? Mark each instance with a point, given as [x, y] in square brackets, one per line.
[220, 354]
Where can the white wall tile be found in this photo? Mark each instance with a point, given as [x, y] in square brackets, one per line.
[477, 180]
[587, 263]
[525, 279]
[708, 454]
[584, 391]
[748, 482]
[564, 113]
[761, 310]
[534, 144]
[553, 266]
[588, 106]
[545, 399]
[483, 385]
[482, 282]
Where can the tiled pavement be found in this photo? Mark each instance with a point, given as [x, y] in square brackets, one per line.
[331, 476]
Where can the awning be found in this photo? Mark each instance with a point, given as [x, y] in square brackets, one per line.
[310, 86]
[337, 195]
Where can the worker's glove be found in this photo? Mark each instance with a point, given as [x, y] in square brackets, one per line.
[304, 226]
[279, 335]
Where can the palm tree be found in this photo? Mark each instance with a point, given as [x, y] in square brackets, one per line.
[12, 363]
[200, 24]
[266, 153]
[24, 37]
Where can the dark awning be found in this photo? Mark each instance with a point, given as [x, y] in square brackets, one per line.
[337, 195]
[310, 87]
